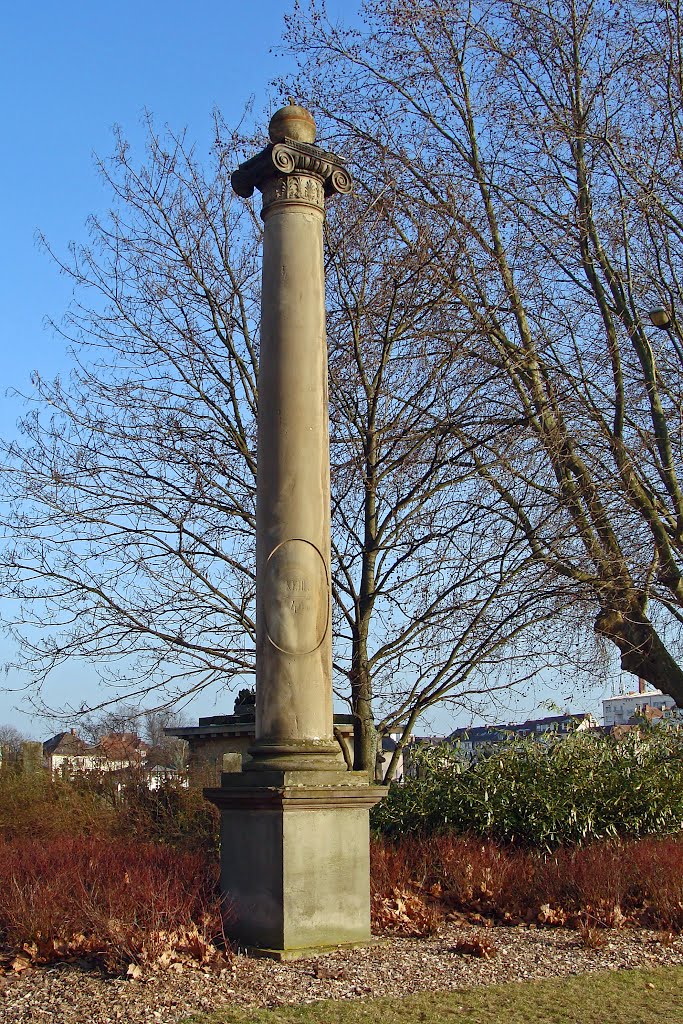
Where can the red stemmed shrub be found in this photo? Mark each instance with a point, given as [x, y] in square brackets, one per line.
[658, 865]
[607, 883]
[116, 900]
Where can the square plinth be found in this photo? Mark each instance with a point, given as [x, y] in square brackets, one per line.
[295, 860]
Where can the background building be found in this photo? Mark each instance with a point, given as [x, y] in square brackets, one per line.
[619, 710]
[480, 739]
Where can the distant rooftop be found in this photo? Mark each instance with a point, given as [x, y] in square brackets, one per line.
[500, 731]
[635, 693]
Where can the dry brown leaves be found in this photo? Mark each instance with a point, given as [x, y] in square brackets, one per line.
[418, 911]
[183, 949]
[44, 951]
[480, 947]
[404, 913]
[605, 916]
[592, 938]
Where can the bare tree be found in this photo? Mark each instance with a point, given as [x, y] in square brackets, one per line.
[426, 601]
[538, 146]
[126, 720]
[11, 739]
[129, 496]
[130, 491]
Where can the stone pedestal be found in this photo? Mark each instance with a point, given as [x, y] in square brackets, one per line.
[295, 860]
[294, 839]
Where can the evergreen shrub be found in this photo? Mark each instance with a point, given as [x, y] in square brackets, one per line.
[580, 789]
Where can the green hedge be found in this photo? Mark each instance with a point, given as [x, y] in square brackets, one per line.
[576, 790]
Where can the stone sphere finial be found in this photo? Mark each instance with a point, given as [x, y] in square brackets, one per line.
[292, 122]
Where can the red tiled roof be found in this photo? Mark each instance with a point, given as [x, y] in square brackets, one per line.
[122, 746]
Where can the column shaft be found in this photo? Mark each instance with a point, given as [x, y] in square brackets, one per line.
[294, 637]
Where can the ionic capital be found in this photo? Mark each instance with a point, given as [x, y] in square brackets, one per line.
[291, 171]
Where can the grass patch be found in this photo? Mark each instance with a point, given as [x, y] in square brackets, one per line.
[615, 997]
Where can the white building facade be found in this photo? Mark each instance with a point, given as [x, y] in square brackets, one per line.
[620, 709]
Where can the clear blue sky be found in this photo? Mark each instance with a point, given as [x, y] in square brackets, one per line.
[69, 72]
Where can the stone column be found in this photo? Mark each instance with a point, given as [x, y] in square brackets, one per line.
[294, 823]
[293, 613]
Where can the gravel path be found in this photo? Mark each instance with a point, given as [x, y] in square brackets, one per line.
[69, 994]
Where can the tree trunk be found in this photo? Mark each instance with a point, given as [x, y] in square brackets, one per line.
[642, 651]
[400, 746]
[364, 732]
[345, 749]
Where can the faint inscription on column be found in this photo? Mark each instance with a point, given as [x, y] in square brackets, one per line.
[296, 597]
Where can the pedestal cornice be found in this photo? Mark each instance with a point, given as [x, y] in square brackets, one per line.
[295, 791]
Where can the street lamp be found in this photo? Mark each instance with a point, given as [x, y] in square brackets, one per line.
[663, 318]
[660, 316]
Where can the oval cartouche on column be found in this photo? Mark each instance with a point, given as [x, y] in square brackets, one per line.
[297, 597]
